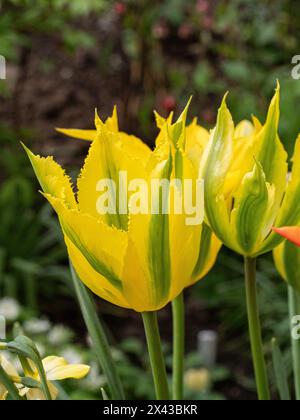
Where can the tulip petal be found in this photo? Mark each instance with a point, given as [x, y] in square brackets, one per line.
[244, 129]
[103, 247]
[290, 209]
[185, 228]
[287, 261]
[147, 262]
[243, 152]
[289, 213]
[97, 283]
[52, 178]
[111, 123]
[252, 206]
[292, 233]
[209, 248]
[270, 153]
[197, 138]
[75, 133]
[108, 158]
[214, 166]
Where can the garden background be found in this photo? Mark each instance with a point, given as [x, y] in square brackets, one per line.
[66, 58]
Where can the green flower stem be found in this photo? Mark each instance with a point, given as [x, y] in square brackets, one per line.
[9, 385]
[156, 355]
[294, 306]
[255, 330]
[43, 380]
[99, 339]
[178, 347]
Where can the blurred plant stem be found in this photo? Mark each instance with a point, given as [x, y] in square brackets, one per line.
[43, 379]
[178, 347]
[294, 308]
[156, 355]
[255, 330]
[98, 337]
[31, 291]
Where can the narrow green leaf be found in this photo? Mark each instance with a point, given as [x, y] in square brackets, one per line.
[280, 372]
[104, 395]
[98, 336]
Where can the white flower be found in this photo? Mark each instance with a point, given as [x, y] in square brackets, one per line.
[59, 335]
[95, 380]
[9, 308]
[72, 355]
[37, 326]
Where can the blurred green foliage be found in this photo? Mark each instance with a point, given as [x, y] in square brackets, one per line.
[130, 356]
[19, 19]
[31, 252]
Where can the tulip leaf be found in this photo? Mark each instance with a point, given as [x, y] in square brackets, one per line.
[98, 336]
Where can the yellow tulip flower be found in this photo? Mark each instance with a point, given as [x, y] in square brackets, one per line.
[134, 259]
[56, 369]
[246, 188]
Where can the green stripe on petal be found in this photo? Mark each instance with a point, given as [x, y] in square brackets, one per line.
[271, 155]
[205, 244]
[97, 265]
[214, 167]
[289, 214]
[159, 248]
[102, 246]
[252, 203]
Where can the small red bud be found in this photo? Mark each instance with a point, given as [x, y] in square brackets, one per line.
[202, 6]
[184, 31]
[168, 103]
[120, 8]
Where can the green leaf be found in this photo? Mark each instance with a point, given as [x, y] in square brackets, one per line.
[98, 336]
